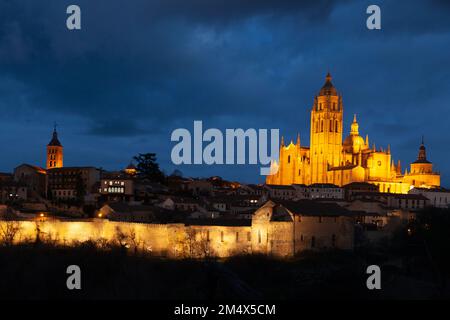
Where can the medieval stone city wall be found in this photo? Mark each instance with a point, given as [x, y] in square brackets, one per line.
[171, 240]
[277, 238]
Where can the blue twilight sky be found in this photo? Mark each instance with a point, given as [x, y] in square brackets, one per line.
[139, 69]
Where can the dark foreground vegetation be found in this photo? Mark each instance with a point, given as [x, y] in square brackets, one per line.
[415, 264]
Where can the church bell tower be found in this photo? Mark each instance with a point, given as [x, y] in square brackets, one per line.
[326, 131]
[54, 152]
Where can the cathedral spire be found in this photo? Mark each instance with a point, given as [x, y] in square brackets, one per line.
[55, 140]
[354, 127]
[282, 141]
[422, 156]
[298, 139]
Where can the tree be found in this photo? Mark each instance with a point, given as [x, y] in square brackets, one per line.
[148, 168]
[176, 173]
[9, 229]
[197, 244]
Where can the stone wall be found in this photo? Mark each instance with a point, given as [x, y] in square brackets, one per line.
[316, 233]
[278, 238]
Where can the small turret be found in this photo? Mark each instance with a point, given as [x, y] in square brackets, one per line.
[354, 127]
[422, 156]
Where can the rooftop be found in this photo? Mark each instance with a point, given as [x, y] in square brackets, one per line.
[315, 208]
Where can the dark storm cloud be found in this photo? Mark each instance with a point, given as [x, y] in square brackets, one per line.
[150, 59]
[139, 70]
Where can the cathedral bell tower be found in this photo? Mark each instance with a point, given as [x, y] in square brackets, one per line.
[54, 152]
[326, 131]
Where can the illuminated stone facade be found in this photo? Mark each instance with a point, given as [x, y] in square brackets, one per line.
[329, 159]
[275, 229]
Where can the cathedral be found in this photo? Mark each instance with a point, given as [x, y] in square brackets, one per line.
[328, 159]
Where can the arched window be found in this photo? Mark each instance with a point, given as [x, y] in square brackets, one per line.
[321, 126]
[331, 125]
[337, 127]
[317, 126]
[289, 159]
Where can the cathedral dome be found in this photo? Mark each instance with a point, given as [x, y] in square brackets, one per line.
[354, 143]
[328, 88]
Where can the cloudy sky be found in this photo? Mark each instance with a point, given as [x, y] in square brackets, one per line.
[139, 69]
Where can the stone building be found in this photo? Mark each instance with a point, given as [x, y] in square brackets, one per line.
[65, 183]
[438, 197]
[289, 227]
[117, 186]
[329, 159]
[33, 177]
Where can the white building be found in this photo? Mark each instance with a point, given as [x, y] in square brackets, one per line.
[439, 197]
